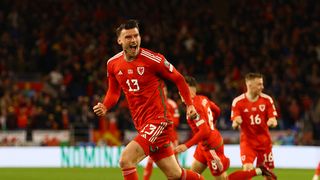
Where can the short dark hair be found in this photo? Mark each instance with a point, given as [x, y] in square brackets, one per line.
[191, 81]
[252, 75]
[129, 24]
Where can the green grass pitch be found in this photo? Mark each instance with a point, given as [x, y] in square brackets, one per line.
[115, 174]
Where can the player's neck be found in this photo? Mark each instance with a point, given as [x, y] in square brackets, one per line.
[252, 97]
[129, 58]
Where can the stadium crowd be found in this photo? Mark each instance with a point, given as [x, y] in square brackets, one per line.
[53, 57]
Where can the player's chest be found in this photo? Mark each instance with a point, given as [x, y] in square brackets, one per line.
[249, 108]
[254, 113]
[133, 76]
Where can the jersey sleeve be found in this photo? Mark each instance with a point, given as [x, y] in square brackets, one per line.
[272, 112]
[202, 133]
[114, 90]
[174, 111]
[235, 110]
[167, 71]
[215, 109]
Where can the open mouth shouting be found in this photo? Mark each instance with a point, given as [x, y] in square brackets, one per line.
[132, 49]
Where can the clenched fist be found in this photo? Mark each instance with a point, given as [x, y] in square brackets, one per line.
[272, 122]
[100, 109]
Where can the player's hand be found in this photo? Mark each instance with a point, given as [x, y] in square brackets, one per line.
[191, 112]
[181, 148]
[272, 122]
[235, 125]
[100, 109]
[236, 122]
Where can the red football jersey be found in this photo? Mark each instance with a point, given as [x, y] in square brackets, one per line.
[203, 127]
[142, 83]
[173, 111]
[254, 128]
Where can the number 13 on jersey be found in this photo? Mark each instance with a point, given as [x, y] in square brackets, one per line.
[133, 85]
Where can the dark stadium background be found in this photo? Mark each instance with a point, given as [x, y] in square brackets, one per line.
[53, 57]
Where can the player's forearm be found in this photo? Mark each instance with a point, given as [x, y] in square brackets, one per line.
[110, 100]
[202, 134]
[112, 95]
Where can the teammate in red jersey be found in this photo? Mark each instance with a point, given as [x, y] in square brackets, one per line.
[210, 149]
[254, 112]
[317, 173]
[140, 73]
[173, 110]
[173, 113]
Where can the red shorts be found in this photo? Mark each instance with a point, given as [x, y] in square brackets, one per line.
[155, 139]
[214, 159]
[249, 154]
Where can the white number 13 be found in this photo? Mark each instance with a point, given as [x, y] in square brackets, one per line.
[133, 85]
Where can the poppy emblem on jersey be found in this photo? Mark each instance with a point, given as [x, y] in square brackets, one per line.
[262, 107]
[140, 70]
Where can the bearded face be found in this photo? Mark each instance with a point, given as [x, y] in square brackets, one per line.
[130, 41]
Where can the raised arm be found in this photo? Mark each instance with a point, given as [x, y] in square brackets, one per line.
[167, 71]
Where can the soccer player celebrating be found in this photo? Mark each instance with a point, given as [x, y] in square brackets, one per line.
[210, 149]
[140, 73]
[254, 112]
[174, 115]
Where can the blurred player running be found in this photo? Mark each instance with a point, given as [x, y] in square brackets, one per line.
[254, 112]
[210, 149]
